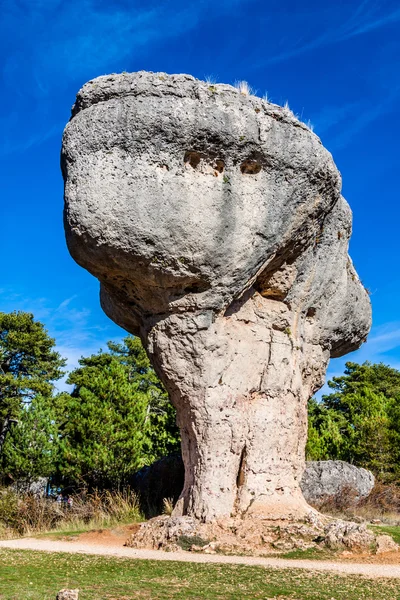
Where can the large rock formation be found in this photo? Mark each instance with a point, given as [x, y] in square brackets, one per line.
[215, 224]
[326, 479]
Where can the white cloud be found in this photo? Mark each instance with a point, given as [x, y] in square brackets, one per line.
[383, 345]
[368, 16]
[76, 330]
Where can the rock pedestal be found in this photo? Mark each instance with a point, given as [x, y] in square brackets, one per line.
[215, 224]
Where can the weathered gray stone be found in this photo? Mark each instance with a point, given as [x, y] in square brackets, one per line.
[68, 595]
[345, 534]
[215, 224]
[385, 543]
[325, 479]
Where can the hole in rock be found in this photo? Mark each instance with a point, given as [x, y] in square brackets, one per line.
[219, 165]
[194, 288]
[311, 312]
[192, 158]
[250, 167]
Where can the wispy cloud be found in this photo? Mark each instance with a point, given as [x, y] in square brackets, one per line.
[9, 145]
[49, 46]
[367, 17]
[342, 123]
[76, 330]
[383, 345]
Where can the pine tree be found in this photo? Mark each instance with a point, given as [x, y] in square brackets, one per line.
[359, 421]
[28, 366]
[117, 418]
[31, 447]
[162, 432]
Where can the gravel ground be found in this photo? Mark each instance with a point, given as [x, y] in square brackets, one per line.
[369, 570]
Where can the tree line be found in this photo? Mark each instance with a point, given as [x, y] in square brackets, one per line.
[118, 417]
[359, 422]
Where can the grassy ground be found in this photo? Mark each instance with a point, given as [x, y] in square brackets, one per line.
[39, 576]
[311, 554]
[392, 530]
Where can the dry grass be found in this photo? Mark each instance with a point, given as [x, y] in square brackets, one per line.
[244, 88]
[26, 514]
[210, 79]
[309, 125]
[383, 503]
[168, 506]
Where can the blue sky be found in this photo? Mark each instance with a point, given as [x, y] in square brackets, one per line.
[336, 62]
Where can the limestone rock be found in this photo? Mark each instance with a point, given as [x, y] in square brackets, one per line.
[68, 595]
[246, 535]
[385, 543]
[215, 224]
[354, 537]
[321, 481]
[163, 533]
[327, 478]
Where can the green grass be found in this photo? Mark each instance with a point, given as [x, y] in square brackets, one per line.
[61, 533]
[26, 575]
[311, 554]
[391, 530]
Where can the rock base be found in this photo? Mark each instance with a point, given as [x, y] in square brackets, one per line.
[255, 536]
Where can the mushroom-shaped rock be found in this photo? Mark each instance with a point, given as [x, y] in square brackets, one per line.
[215, 224]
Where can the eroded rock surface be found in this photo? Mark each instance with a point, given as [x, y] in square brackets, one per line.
[68, 595]
[325, 479]
[215, 224]
[322, 481]
[253, 535]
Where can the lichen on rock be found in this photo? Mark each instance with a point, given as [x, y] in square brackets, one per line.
[215, 224]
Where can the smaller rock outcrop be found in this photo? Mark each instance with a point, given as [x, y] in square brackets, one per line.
[260, 537]
[385, 543]
[250, 535]
[327, 479]
[68, 595]
[347, 535]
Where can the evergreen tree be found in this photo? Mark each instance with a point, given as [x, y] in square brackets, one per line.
[117, 418]
[162, 432]
[28, 366]
[358, 422]
[326, 432]
[31, 448]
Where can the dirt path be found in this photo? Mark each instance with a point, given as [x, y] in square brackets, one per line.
[369, 570]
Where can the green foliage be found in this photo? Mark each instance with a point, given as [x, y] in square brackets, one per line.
[162, 434]
[325, 432]
[359, 421]
[117, 418]
[28, 367]
[31, 447]
[28, 362]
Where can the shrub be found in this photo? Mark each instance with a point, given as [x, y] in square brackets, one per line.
[27, 513]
